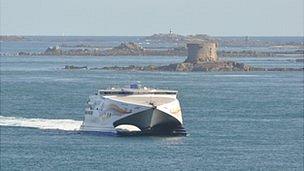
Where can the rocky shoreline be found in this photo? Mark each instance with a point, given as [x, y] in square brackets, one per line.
[187, 67]
[226, 66]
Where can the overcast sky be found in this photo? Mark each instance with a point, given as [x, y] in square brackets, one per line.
[145, 17]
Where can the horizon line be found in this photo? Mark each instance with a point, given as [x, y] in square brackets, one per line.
[45, 35]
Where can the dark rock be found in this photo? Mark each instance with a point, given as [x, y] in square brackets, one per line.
[11, 38]
[71, 67]
[124, 49]
[23, 53]
[53, 50]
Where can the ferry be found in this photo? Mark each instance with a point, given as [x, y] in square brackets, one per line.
[134, 110]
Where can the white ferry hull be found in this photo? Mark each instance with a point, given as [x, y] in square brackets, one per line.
[134, 115]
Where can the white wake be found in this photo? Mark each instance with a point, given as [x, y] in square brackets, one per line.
[59, 124]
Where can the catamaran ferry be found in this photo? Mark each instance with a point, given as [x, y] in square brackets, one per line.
[135, 110]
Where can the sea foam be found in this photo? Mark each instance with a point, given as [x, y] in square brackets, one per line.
[59, 124]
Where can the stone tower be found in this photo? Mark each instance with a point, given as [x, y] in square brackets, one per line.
[202, 52]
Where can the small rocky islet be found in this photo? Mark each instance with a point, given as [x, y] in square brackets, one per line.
[202, 56]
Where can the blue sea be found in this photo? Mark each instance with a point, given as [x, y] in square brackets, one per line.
[235, 120]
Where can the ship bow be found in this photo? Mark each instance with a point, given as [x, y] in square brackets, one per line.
[152, 122]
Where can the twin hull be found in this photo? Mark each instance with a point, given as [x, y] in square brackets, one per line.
[134, 114]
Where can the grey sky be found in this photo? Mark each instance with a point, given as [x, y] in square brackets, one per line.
[145, 17]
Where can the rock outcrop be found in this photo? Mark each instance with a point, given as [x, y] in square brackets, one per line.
[188, 67]
[53, 50]
[124, 49]
[133, 49]
[207, 66]
[72, 67]
[58, 51]
[11, 38]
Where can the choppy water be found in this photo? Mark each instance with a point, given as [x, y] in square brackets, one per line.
[236, 120]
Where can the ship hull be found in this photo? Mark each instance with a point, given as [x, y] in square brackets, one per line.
[134, 115]
[152, 122]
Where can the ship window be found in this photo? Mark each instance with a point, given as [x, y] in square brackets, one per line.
[130, 93]
[164, 93]
[89, 112]
[116, 93]
[124, 92]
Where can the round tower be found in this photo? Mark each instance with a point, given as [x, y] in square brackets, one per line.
[202, 52]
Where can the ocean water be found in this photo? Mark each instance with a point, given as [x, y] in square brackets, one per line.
[235, 120]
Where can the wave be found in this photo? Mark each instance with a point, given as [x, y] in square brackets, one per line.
[59, 124]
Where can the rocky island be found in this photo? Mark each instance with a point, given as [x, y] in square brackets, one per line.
[202, 56]
[133, 49]
[124, 49]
